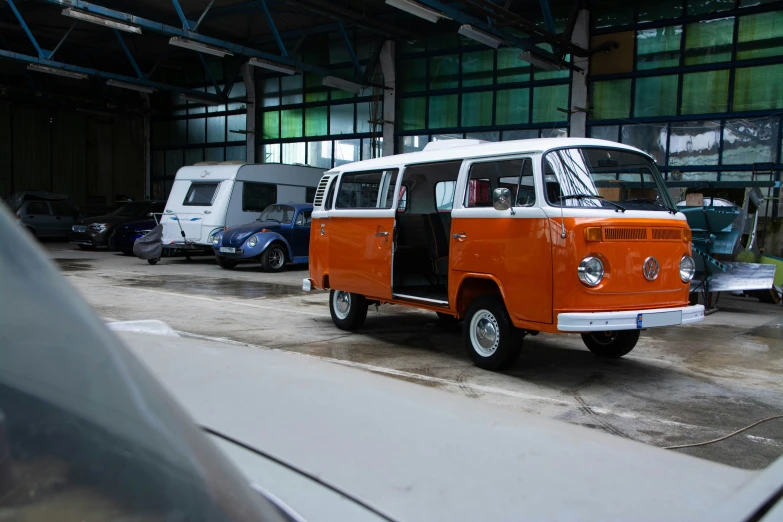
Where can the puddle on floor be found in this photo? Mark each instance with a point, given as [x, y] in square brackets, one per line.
[771, 330]
[215, 287]
[72, 265]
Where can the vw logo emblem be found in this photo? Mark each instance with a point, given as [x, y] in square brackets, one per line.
[651, 268]
[205, 174]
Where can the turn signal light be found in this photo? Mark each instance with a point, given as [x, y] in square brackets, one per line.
[593, 234]
[265, 230]
[687, 235]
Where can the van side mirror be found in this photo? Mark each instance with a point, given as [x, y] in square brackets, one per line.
[501, 199]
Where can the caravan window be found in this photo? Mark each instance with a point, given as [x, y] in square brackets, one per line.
[257, 196]
[367, 189]
[201, 194]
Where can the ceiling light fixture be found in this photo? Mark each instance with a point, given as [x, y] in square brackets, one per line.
[100, 20]
[343, 85]
[131, 86]
[58, 72]
[201, 47]
[416, 9]
[272, 66]
[199, 99]
[471, 32]
[541, 63]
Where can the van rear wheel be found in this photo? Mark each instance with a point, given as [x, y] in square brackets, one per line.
[612, 344]
[492, 341]
[348, 310]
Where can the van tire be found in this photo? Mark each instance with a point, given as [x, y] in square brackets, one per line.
[492, 341]
[348, 310]
[274, 257]
[612, 344]
[225, 263]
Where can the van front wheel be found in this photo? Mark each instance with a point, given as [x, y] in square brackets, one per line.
[348, 310]
[613, 344]
[491, 340]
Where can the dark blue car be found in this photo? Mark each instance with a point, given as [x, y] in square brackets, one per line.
[280, 234]
[124, 236]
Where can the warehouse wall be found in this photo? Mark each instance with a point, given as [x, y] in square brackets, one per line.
[91, 158]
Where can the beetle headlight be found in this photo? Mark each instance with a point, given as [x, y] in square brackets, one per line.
[215, 239]
[591, 271]
[253, 241]
[687, 269]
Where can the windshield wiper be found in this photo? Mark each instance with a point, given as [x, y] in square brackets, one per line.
[653, 202]
[594, 196]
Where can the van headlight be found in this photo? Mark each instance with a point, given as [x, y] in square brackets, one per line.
[253, 241]
[591, 271]
[687, 269]
[215, 239]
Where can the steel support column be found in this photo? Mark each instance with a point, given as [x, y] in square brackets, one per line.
[248, 76]
[389, 81]
[580, 37]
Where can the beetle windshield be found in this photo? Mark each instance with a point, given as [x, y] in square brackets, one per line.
[278, 213]
[604, 178]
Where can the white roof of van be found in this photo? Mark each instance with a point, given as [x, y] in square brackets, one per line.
[473, 150]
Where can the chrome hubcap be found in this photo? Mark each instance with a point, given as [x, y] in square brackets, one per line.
[276, 258]
[484, 333]
[342, 304]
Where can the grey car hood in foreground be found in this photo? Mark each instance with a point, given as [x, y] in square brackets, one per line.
[420, 454]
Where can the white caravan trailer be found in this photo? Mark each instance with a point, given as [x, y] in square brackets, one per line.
[206, 198]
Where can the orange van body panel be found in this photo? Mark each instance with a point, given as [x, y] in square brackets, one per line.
[319, 251]
[360, 261]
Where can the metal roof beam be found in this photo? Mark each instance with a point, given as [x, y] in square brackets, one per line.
[349, 45]
[128, 54]
[186, 24]
[550, 22]
[273, 27]
[26, 29]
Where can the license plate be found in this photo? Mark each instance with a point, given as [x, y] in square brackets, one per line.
[651, 320]
[228, 250]
[79, 228]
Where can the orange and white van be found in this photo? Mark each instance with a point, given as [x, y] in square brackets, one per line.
[562, 235]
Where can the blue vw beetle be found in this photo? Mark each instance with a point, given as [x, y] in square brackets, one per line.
[280, 234]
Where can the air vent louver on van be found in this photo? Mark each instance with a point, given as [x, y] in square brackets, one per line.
[320, 192]
[625, 234]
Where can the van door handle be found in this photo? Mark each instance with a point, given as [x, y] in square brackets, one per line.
[381, 234]
[459, 236]
[207, 212]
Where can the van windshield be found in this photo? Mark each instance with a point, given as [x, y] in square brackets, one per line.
[594, 177]
[278, 213]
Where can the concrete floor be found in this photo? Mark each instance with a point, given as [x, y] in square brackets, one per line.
[680, 385]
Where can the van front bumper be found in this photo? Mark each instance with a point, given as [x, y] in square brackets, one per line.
[629, 320]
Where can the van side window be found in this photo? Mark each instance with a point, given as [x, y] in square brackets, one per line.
[329, 201]
[402, 206]
[367, 189]
[444, 195]
[201, 194]
[487, 176]
[309, 194]
[257, 196]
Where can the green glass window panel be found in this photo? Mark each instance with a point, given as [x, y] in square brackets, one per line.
[605, 132]
[443, 111]
[271, 125]
[196, 131]
[271, 153]
[412, 112]
[656, 96]
[705, 92]
[660, 47]
[444, 72]
[512, 107]
[541, 74]
[758, 88]
[366, 112]
[291, 124]
[341, 119]
[193, 156]
[314, 89]
[337, 94]
[476, 109]
[215, 154]
[216, 129]
[413, 75]
[611, 99]
[611, 13]
[546, 100]
[660, 10]
[291, 89]
[760, 36]
[237, 153]
[178, 131]
[271, 89]
[477, 68]
[315, 121]
[709, 41]
[294, 153]
[442, 41]
[236, 122]
[511, 68]
[694, 7]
